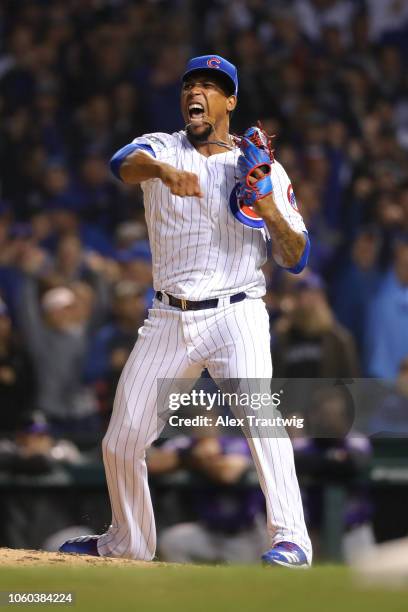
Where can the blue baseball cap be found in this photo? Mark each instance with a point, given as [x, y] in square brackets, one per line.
[213, 62]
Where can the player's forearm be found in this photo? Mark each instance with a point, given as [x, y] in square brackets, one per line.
[137, 166]
[140, 166]
[287, 244]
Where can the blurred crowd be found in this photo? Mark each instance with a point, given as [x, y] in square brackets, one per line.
[81, 78]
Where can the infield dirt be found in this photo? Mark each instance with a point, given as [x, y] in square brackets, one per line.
[17, 558]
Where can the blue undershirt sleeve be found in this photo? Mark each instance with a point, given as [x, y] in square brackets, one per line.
[301, 264]
[117, 160]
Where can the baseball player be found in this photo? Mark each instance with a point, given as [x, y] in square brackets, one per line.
[212, 203]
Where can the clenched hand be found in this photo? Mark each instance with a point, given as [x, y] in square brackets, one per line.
[179, 182]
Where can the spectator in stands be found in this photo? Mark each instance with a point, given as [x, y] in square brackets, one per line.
[129, 232]
[33, 449]
[386, 19]
[315, 15]
[57, 343]
[308, 342]
[387, 322]
[58, 190]
[66, 221]
[16, 375]
[92, 125]
[101, 201]
[390, 416]
[113, 343]
[71, 265]
[355, 284]
[69, 258]
[228, 527]
[136, 265]
[130, 116]
[30, 516]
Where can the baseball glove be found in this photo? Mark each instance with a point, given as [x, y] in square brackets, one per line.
[254, 175]
[254, 166]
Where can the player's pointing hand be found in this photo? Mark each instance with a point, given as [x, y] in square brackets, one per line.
[180, 182]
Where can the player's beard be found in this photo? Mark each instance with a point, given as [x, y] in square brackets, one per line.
[198, 137]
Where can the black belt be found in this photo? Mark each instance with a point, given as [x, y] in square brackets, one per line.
[191, 305]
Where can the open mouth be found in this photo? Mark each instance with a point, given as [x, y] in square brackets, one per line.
[196, 112]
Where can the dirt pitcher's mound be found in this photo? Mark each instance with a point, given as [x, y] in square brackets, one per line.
[16, 558]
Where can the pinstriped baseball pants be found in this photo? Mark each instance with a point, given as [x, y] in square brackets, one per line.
[232, 341]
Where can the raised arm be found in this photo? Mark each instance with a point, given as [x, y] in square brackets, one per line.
[272, 199]
[29, 314]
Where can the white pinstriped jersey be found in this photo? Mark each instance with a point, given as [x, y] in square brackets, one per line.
[199, 249]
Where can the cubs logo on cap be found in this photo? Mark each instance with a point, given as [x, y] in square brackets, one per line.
[243, 213]
[213, 62]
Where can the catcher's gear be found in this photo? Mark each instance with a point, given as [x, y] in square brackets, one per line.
[256, 153]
